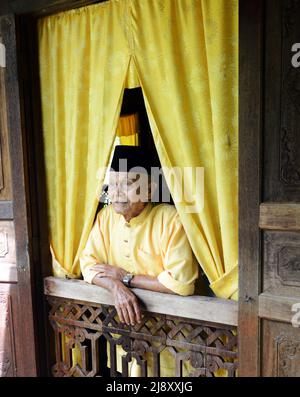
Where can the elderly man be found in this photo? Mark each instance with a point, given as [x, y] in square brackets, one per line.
[135, 243]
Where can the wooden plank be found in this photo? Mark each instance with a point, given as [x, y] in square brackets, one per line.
[277, 308]
[279, 216]
[250, 62]
[214, 310]
[41, 258]
[5, 174]
[42, 7]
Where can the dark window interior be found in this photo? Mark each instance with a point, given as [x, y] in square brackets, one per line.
[133, 102]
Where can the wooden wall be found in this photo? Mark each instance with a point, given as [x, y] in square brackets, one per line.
[8, 268]
[280, 211]
[269, 189]
[17, 334]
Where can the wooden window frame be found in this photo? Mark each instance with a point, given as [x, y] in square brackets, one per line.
[29, 144]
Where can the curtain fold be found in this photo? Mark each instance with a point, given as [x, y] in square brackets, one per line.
[84, 61]
[188, 72]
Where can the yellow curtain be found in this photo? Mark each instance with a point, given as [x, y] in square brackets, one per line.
[188, 72]
[189, 80]
[128, 129]
[85, 63]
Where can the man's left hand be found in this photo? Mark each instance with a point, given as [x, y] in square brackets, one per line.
[109, 271]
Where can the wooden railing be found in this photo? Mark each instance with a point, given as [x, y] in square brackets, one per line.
[199, 334]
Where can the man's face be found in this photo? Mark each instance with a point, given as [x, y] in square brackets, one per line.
[127, 191]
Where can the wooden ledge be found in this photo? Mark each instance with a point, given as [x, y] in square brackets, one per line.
[279, 216]
[278, 308]
[220, 311]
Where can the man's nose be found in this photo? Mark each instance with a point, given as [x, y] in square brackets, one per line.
[120, 192]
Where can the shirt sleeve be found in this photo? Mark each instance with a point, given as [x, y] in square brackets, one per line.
[180, 267]
[95, 251]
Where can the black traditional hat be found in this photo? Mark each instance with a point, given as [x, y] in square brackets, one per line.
[127, 157]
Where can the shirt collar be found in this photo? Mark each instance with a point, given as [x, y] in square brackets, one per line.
[139, 218]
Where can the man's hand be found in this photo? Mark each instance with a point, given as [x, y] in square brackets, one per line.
[126, 304]
[114, 272]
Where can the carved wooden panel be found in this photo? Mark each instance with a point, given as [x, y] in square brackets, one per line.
[290, 100]
[281, 350]
[282, 102]
[282, 263]
[7, 354]
[194, 348]
[8, 270]
[5, 176]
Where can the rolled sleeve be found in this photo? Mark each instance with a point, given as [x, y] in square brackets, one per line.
[88, 275]
[180, 267]
[179, 287]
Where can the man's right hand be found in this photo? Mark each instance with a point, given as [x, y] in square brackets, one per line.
[126, 304]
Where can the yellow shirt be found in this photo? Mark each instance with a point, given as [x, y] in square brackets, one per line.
[153, 243]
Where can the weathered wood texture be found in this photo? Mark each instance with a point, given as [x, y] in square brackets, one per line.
[5, 176]
[24, 336]
[280, 216]
[281, 350]
[82, 314]
[32, 115]
[42, 7]
[281, 103]
[215, 310]
[8, 262]
[279, 213]
[279, 308]
[8, 319]
[281, 268]
[250, 62]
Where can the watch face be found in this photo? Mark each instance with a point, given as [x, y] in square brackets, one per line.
[127, 278]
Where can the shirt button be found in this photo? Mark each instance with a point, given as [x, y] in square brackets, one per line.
[127, 256]
[127, 224]
[125, 241]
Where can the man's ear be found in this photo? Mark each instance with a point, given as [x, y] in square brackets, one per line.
[152, 188]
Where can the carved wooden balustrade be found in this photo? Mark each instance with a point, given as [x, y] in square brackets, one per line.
[199, 332]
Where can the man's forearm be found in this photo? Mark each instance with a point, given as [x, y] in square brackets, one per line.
[150, 283]
[106, 282]
[109, 281]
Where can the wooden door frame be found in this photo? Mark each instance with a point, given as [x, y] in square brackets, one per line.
[25, 346]
[250, 175]
[250, 126]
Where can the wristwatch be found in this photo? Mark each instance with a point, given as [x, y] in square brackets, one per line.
[127, 279]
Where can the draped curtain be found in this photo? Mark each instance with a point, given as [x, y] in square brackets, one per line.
[183, 53]
[84, 65]
[188, 72]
